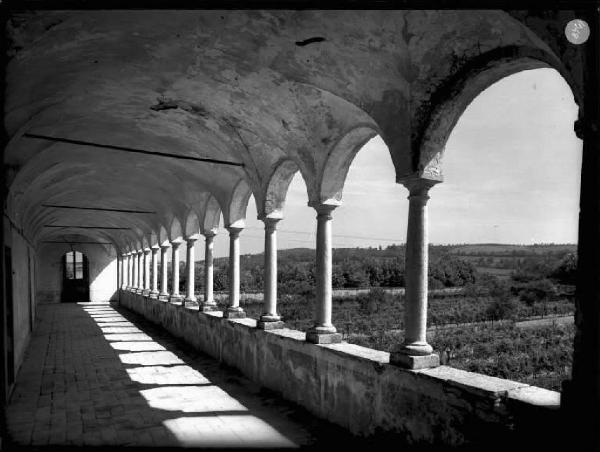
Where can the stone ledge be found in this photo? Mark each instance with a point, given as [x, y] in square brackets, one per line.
[532, 395]
[415, 362]
[447, 388]
[269, 325]
[478, 384]
[326, 338]
[246, 321]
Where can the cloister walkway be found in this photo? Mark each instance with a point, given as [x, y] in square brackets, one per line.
[95, 374]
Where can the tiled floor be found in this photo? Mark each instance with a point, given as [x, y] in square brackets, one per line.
[97, 375]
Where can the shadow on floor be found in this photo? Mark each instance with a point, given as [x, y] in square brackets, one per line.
[98, 375]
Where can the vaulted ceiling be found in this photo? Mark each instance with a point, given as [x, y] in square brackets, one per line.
[252, 91]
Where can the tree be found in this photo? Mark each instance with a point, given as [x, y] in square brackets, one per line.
[566, 272]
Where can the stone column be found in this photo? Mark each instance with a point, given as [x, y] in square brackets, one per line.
[123, 271]
[209, 303]
[154, 291]
[146, 291]
[129, 271]
[134, 266]
[140, 271]
[269, 319]
[233, 310]
[323, 331]
[415, 352]
[189, 265]
[164, 292]
[175, 271]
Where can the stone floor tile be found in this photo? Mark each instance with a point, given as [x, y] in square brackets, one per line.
[97, 375]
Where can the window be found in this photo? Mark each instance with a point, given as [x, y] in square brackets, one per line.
[74, 265]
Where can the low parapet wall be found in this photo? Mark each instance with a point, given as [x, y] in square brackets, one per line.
[357, 388]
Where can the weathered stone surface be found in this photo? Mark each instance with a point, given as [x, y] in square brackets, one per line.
[270, 325]
[235, 86]
[415, 362]
[323, 338]
[357, 388]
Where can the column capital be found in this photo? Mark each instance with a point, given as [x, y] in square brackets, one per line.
[270, 223]
[210, 233]
[155, 247]
[175, 245]
[324, 210]
[234, 231]
[190, 241]
[146, 251]
[165, 247]
[418, 186]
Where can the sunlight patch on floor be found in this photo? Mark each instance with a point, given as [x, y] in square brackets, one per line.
[191, 399]
[162, 375]
[222, 421]
[150, 358]
[216, 431]
[137, 346]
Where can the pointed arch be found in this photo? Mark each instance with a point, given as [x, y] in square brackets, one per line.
[235, 215]
[192, 225]
[212, 216]
[163, 237]
[334, 172]
[175, 231]
[275, 192]
[453, 97]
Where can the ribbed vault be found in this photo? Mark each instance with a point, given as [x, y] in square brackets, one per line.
[253, 88]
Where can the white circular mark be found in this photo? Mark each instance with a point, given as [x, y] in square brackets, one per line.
[577, 31]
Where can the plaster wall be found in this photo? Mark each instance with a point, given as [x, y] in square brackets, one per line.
[102, 271]
[23, 255]
[357, 388]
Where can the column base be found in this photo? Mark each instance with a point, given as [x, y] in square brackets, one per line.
[401, 359]
[323, 335]
[271, 325]
[234, 313]
[323, 338]
[189, 302]
[153, 295]
[176, 299]
[208, 307]
[146, 292]
[163, 297]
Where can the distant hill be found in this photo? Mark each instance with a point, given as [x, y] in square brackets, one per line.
[305, 255]
[494, 250]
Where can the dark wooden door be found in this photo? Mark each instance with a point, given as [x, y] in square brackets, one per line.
[76, 285]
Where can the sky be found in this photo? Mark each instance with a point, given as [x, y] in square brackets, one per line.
[511, 175]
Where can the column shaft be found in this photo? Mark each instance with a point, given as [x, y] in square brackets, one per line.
[175, 268]
[164, 274]
[140, 280]
[234, 310]
[269, 318]
[209, 302]
[134, 258]
[323, 330]
[154, 290]
[190, 296]
[415, 352]
[129, 271]
[123, 263]
[147, 270]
